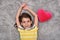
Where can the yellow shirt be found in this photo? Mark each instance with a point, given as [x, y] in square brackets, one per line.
[28, 34]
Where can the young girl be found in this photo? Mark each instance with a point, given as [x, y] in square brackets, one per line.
[26, 27]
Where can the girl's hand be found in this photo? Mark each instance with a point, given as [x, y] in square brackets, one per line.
[23, 5]
[26, 7]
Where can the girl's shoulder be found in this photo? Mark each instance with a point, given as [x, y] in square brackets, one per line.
[20, 27]
[34, 27]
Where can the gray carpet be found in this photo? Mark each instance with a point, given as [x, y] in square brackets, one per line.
[49, 30]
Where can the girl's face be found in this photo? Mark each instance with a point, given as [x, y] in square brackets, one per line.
[26, 22]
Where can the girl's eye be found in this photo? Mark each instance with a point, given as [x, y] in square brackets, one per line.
[23, 22]
[28, 21]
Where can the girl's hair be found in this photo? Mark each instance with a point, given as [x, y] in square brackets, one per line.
[24, 15]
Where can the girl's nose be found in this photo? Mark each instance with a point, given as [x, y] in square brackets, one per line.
[26, 24]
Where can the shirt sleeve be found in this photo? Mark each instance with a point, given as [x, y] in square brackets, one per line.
[34, 26]
[19, 28]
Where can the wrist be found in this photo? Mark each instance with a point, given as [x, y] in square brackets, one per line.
[21, 7]
[28, 9]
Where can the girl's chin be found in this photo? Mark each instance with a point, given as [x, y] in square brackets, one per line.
[27, 27]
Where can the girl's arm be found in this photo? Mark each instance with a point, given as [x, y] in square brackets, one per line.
[19, 13]
[34, 14]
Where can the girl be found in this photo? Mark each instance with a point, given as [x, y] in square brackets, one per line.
[26, 27]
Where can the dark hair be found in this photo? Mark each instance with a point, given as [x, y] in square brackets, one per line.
[24, 15]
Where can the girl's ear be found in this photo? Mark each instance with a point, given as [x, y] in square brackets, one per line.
[31, 22]
[21, 23]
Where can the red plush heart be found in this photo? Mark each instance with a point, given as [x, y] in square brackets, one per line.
[43, 15]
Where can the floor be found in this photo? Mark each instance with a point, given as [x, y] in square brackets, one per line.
[49, 30]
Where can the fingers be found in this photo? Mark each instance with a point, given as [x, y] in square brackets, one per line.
[23, 5]
[25, 8]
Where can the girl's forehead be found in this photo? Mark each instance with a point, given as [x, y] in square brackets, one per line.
[25, 19]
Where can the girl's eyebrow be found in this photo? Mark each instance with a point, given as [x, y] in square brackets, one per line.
[23, 21]
[28, 20]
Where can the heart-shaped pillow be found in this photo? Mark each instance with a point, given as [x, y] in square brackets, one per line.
[43, 15]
